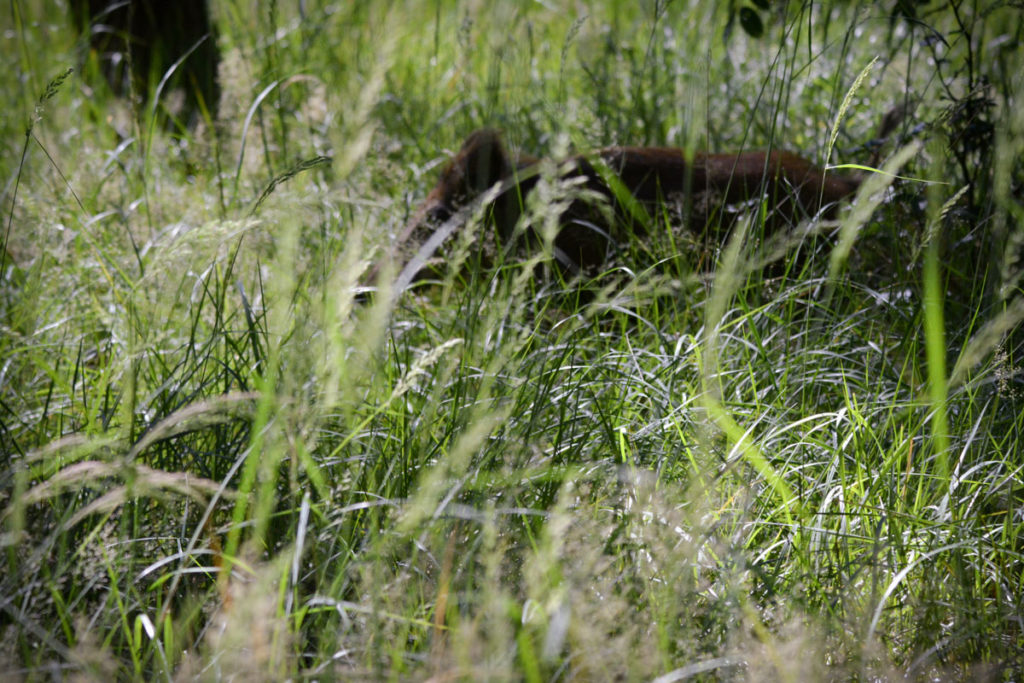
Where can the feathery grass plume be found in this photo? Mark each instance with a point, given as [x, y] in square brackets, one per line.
[52, 88]
[845, 106]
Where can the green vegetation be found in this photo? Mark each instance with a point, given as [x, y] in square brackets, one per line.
[756, 458]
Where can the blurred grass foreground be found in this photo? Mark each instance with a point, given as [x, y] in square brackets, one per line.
[728, 455]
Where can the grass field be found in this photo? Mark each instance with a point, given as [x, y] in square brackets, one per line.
[749, 458]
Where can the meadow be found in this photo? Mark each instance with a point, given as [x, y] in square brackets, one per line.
[729, 455]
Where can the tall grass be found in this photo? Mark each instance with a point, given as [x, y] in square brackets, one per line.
[731, 456]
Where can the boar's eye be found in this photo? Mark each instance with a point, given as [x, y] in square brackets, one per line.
[439, 213]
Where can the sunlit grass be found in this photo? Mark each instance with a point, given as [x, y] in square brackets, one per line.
[759, 457]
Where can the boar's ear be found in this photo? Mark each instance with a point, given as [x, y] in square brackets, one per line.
[479, 164]
[485, 159]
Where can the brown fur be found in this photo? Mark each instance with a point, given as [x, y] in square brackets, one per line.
[149, 36]
[792, 186]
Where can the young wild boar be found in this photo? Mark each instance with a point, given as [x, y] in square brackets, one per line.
[791, 186]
